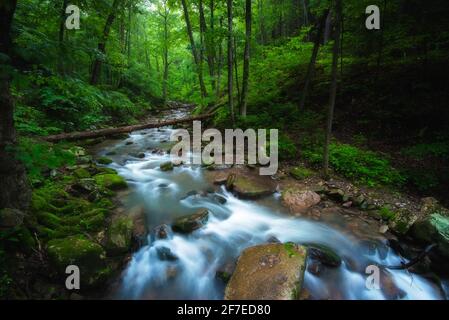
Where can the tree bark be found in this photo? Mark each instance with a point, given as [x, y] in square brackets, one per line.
[246, 58]
[61, 37]
[333, 89]
[115, 131]
[206, 43]
[14, 189]
[96, 68]
[220, 64]
[236, 69]
[230, 60]
[311, 68]
[196, 57]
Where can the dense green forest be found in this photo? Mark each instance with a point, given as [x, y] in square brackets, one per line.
[369, 106]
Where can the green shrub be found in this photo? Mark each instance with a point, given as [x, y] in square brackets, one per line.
[366, 167]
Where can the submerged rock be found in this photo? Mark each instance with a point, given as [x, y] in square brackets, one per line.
[161, 232]
[268, 272]
[167, 166]
[87, 255]
[192, 222]
[165, 254]
[297, 201]
[325, 255]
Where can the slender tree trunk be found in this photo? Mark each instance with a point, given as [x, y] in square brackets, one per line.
[263, 31]
[236, 71]
[311, 68]
[61, 38]
[166, 63]
[14, 189]
[96, 69]
[333, 89]
[381, 44]
[196, 57]
[230, 60]
[220, 64]
[246, 58]
[130, 19]
[207, 45]
[328, 30]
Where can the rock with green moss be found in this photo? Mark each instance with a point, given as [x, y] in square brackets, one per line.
[268, 272]
[190, 223]
[251, 188]
[433, 228]
[111, 181]
[81, 173]
[49, 220]
[104, 170]
[119, 236]
[167, 166]
[301, 173]
[104, 161]
[87, 255]
[325, 255]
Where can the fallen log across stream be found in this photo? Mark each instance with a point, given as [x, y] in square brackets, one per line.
[121, 130]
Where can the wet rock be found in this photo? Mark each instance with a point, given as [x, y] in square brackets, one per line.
[83, 187]
[11, 218]
[220, 180]
[273, 239]
[389, 288]
[325, 255]
[119, 236]
[140, 155]
[167, 166]
[220, 199]
[268, 272]
[161, 232]
[104, 161]
[314, 267]
[165, 254]
[128, 143]
[297, 201]
[383, 229]
[87, 255]
[248, 188]
[192, 222]
[224, 273]
[433, 229]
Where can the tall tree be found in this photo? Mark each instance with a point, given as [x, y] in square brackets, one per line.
[96, 68]
[333, 88]
[14, 189]
[62, 19]
[196, 56]
[230, 59]
[206, 41]
[246, 58]
[311, 68]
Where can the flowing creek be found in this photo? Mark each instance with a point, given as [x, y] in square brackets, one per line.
[233, 226]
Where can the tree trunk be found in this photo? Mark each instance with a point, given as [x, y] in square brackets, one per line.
[311, 68]
[73, 136]
[333, 89]
[14, 189]
[263, 31]
[381, 44]
[236, 69]
[196, 57]
[328, 30]
[220, 64]
[61, 38]
[166, 63]
[246, 59]
[206, 45]
[96, 69]
[230, 60]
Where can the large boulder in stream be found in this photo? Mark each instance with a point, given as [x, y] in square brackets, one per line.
[268, 272]
[190, 223]
[297, 201]
[119, 236]
[250, 187]
[433, 229]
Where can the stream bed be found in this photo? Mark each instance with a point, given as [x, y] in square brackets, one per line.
[234, 225]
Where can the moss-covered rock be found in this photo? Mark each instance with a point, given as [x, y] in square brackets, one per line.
[190, 223]
[111, 181]
[301, 173]
[268, 272]
[167, 166]
[119, 236]
[250, 188]
[87, 255]
[81, 173]
[433, 229]
[104, 161]
[49, 220]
